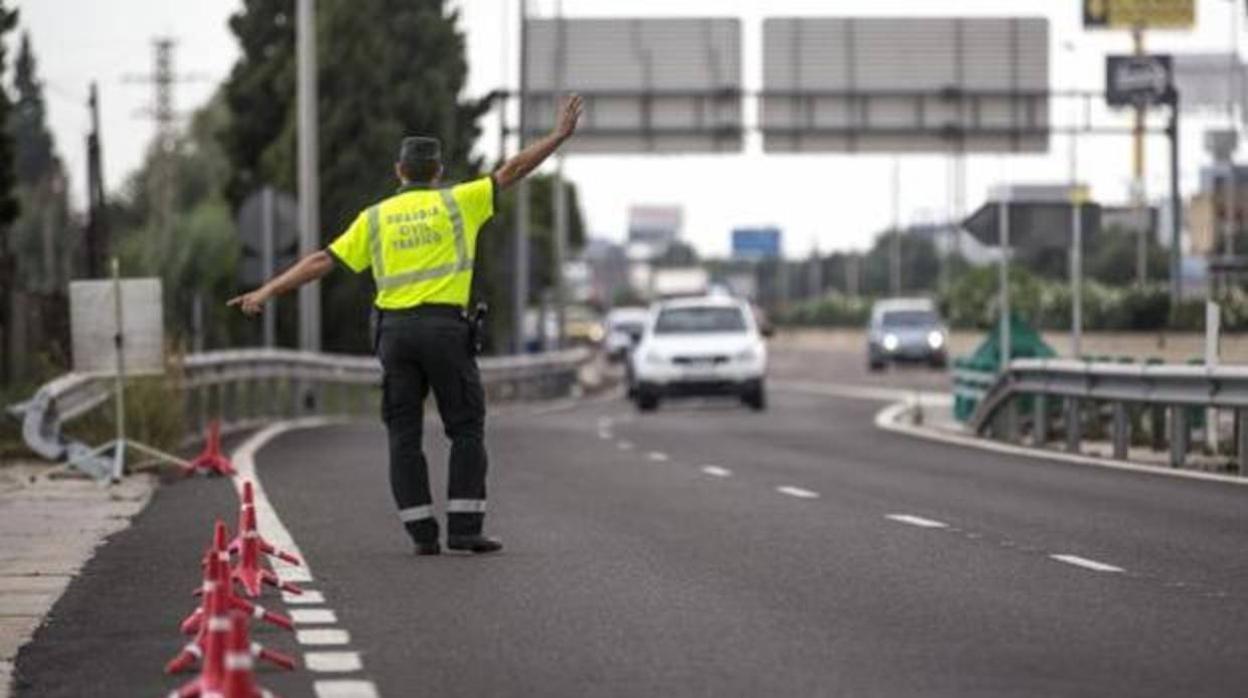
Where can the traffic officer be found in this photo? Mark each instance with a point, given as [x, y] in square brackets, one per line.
[420, 244]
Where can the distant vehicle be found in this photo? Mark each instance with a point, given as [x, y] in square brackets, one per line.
[582, 325]
[624, 328]
[700, 346]
[679, 282]
[906, 329]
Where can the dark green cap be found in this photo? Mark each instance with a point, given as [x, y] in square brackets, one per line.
[417, 149]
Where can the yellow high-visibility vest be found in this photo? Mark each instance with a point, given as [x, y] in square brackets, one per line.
[419, 243]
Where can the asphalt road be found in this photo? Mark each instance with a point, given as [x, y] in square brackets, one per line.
[707, 550]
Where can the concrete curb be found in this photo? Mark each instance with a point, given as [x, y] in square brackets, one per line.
[892, 418]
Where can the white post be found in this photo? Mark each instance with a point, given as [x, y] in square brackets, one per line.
[1003, 212]
[1213, 328]
[119, 343]
[309, 183]
[1076, 273]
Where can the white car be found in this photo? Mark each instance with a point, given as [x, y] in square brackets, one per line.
[700, 346]
[624, 329]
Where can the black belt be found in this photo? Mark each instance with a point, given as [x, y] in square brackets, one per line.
[425, 310]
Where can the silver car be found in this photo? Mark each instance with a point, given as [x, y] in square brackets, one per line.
[906, 330]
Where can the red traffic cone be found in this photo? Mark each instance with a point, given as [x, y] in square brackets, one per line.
[249, 570]
[217, 593]
[210, 649]
[247, 526]
[211, 461]
[240, 682]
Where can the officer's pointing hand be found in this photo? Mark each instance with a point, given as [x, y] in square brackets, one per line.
[569, 114]
[250, 303]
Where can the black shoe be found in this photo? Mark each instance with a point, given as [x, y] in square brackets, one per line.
[477, 544]
[431, 548]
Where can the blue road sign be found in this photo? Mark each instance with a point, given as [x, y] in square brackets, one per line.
[756, 243]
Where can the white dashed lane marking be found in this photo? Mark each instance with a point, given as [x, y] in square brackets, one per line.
[332, 662]
[322, 636]
[916, 521]
[716, 471]
[657, 456]
[313, 616]
[343, 688]
[307, 598]
[797, 492]
[624, 445]
[1086, 563]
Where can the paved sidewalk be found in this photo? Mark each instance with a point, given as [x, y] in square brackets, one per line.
[49, 528]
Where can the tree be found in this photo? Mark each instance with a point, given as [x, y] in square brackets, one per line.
[8, 210]
[41, 234]
[387, 68]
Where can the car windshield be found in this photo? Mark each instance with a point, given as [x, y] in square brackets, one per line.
[694, 320]
[910, 318]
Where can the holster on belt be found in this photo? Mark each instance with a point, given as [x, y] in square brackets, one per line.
[476, 327]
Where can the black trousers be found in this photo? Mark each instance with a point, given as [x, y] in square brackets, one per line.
[423, 351]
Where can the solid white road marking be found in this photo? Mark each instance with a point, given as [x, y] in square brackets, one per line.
[1086, 563]
[916, 521]
[657, 456]
[624, 445]
[797, 492]
[308, 597]
[344, 689]
[336, 662]
[716, 471]
[313, 616]
[322, 636]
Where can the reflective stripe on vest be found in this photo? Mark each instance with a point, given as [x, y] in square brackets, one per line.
[462, 261]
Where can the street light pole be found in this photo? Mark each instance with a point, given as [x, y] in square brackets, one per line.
[520, 235]
[309, 184]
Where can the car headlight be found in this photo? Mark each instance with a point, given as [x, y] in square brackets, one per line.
[890, 342]
[747, 354]
[935, 339]
[596, 334]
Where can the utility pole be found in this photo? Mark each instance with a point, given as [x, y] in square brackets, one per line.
[1138, 197]
[894, 275]
[560, 201]
[97, 223]
[520, 237]
[309, 182]
[163, 78]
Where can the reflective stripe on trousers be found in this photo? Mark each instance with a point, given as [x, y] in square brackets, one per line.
[462, 261]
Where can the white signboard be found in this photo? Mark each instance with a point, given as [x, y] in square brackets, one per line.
[905, 84]
[651, 85]
[94, 326]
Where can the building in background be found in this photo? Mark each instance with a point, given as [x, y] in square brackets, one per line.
[1207, 210]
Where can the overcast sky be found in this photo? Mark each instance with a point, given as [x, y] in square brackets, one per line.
[826, 200]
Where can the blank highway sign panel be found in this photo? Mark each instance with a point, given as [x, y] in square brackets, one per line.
[93, 326]
[650, 85]
[875, 84]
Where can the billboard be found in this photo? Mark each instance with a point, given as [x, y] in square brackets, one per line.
[905, 84]
[650, 85]
[1144, 14]
[1138, 80]
[654, 225]
[756, 243]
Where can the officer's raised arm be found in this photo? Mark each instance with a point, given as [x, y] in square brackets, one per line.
[528, 159]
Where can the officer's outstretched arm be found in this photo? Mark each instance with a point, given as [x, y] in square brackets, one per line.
[528, 159]
[310, 268]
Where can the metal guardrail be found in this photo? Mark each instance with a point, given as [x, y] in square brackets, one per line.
[1171, 398]
[247, 387]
